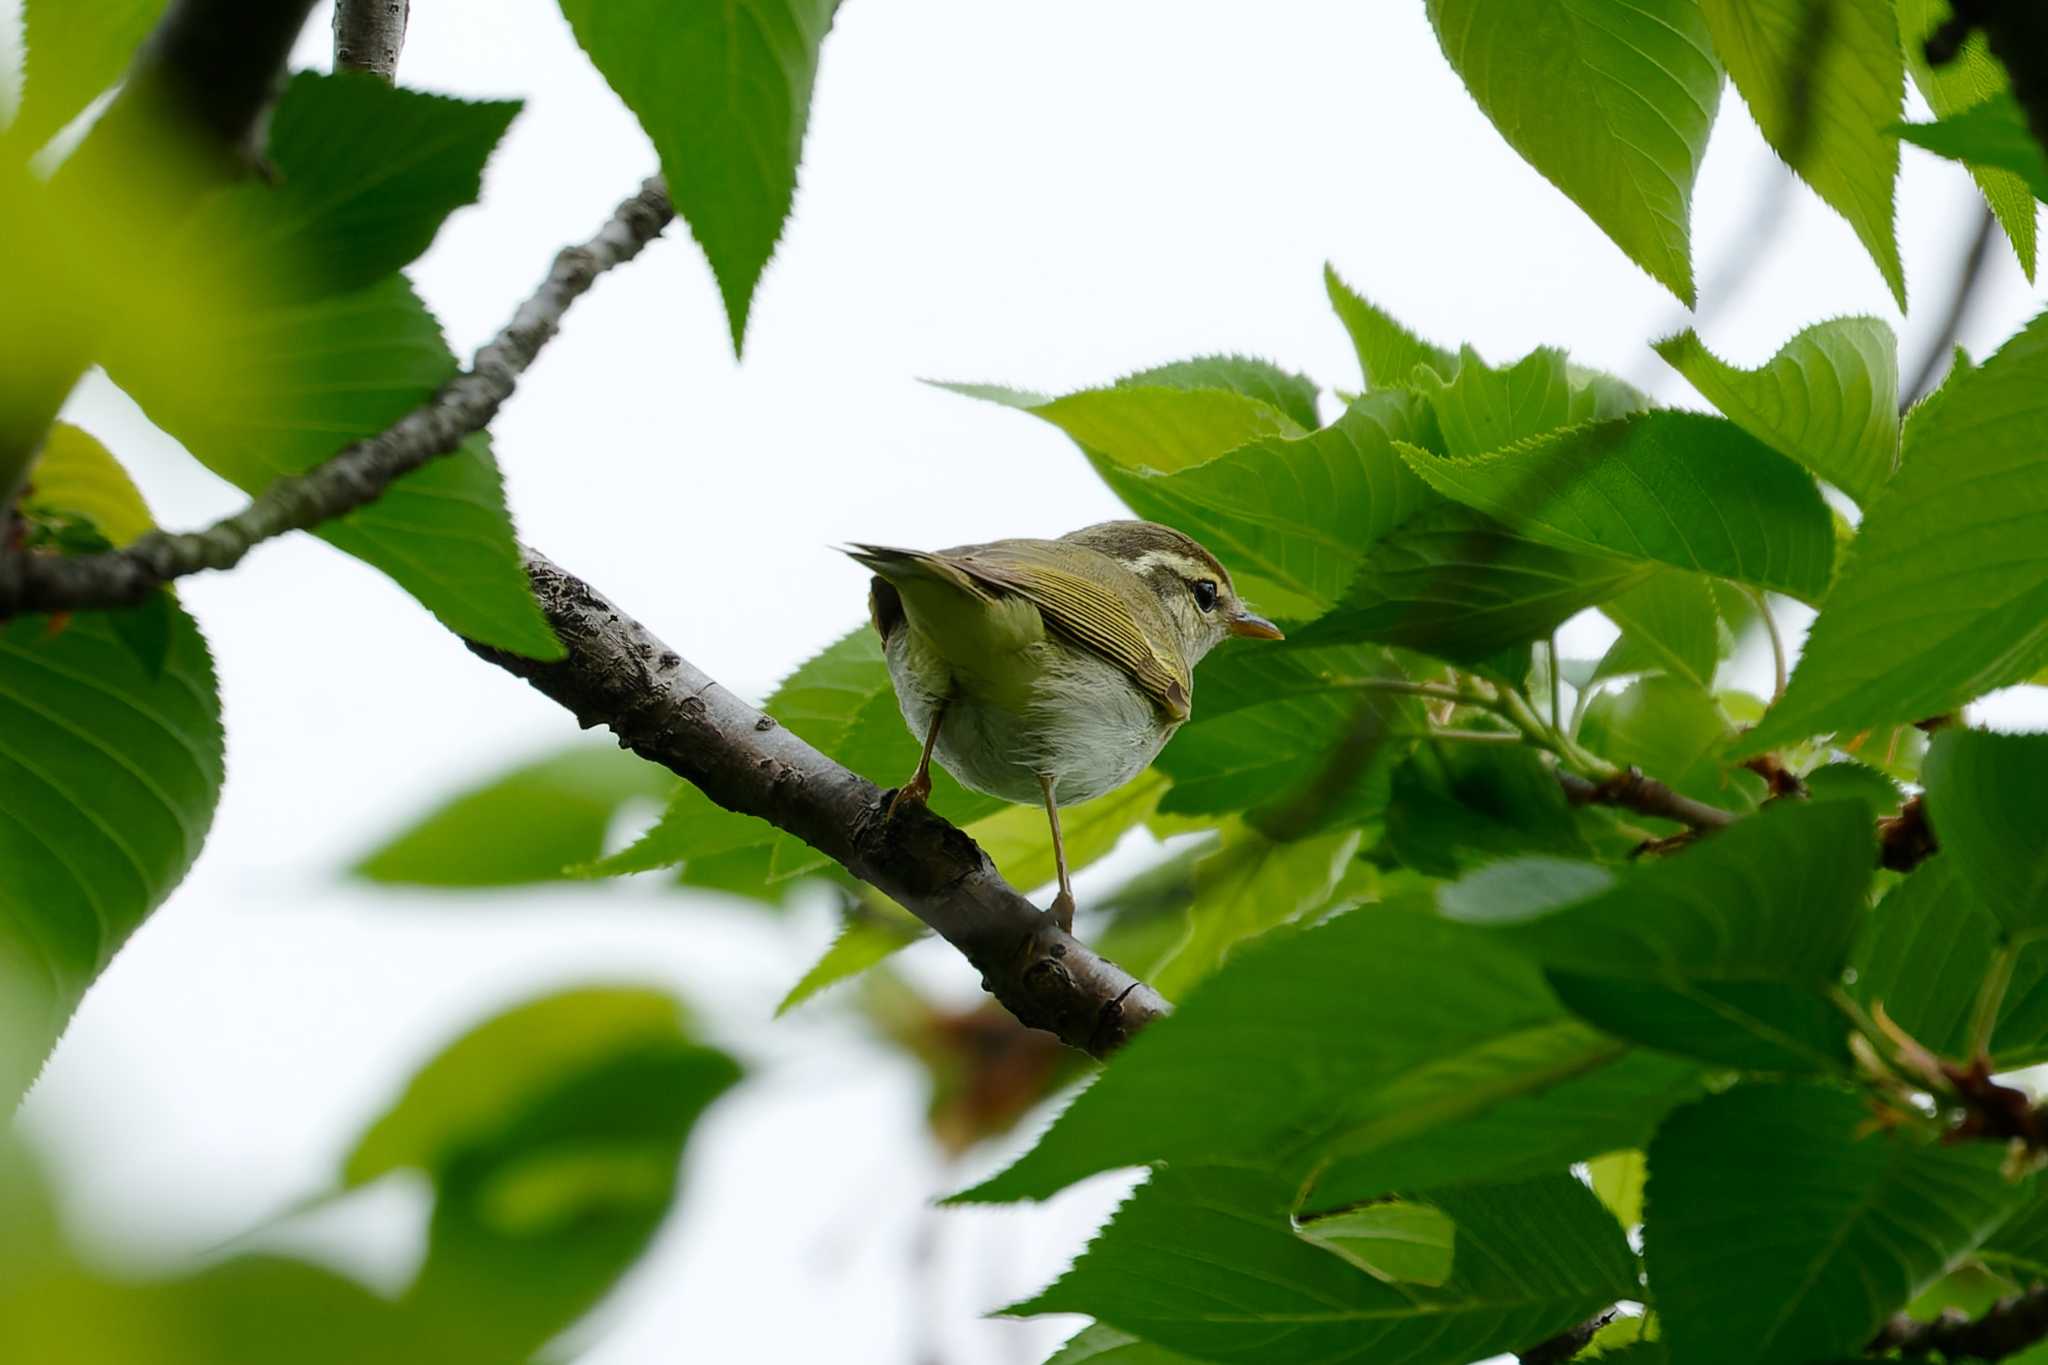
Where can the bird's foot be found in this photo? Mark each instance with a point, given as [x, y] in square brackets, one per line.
[911, 793]
[1062, 910]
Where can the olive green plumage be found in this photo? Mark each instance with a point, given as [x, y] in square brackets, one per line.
[1050, 670]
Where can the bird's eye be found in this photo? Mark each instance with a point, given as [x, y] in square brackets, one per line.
[1205, 593]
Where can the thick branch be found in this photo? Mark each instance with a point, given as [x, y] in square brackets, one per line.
[1645, 796]
[2008, 1327]
[359, 474]
[368, 35]
[617, 674]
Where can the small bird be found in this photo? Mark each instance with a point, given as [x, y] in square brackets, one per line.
[1050, 670]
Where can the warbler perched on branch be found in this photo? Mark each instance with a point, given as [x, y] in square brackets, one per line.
[1050, 670]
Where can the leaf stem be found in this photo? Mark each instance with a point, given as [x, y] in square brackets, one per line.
[1763, 608]
[1556, 687]
[1991, 998]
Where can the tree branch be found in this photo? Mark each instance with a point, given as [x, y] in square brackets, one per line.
[1941, 346]
[368, 35]
[359, 474]
[1566, 1344]
[617, 674]
[2008, 1327]
[1632, 790]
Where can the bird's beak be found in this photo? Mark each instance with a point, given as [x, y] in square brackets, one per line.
[1254, 627]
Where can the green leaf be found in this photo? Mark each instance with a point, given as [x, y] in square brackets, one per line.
[365, 173]
[1303, 1031]
[1019, 839]
[1611, 100]
[1301, 512]
[1294, 394]
[1481, 409]
[1273, 723]
[1617, 1180]
[1829, 398]
[1749, 929]
[552, 1134]
[1675, 732]
[1387, 352]
[338, 370]
[1822, 78]
[1924, 952]
[1944, 594]
[1975, 75]
[1101, 1345]
[1674, 488]
[532, 824]
[724, 92]
[109, 775]
[1395, 1241]
[1987, 798]
[1458, 806]
[1155, 428]
[75, 52]
[1569, 1093]
[1247, 885]
[1992, 135]
[1849, 1227]
[75, 475]
[1224, 1274]
[1458, 585]
[1668, 623]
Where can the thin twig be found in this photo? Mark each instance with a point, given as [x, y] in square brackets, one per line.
[1568, 1343]
[359, 474]
[1941, 346]
[1631, 790]
[617, 674]
[2005, 1329]
[1763, 611]
[368, 35]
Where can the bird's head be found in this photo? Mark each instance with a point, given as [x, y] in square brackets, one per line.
[1192, 586]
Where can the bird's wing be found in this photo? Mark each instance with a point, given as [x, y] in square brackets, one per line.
[1126, 628]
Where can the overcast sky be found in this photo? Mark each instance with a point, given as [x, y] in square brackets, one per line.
[1046, 195]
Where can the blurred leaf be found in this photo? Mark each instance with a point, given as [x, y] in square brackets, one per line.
[1304, 1032]
[1302, 511]
[75, 52]
[1387, 352]
[1987, 798]
[1611, 100]
[1669, 624]
[724, 93]
[1829, 398]
[1991, 135]
[1858, 1224]
[1975, 75]
[1101, 1345]
[1923, 954]
[109, 776]
[1751, 927]
[1822, 78]
[1617, 1180]
[1197, 1237]
[534, 823]
[335, 371]
[871, 931]
[76, 474]
[364, 174]
[1676, 733]
[1458, 585]
[1849, 781]
[1675, 488]
[1398, 1242]
[1952, 547]
[1247, 885]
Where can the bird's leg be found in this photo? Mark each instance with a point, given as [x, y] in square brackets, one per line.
[919, 786]
[1063, 903]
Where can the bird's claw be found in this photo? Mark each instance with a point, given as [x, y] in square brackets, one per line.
[911, 793]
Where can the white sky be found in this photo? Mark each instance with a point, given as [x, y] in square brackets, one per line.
[1046, 195]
